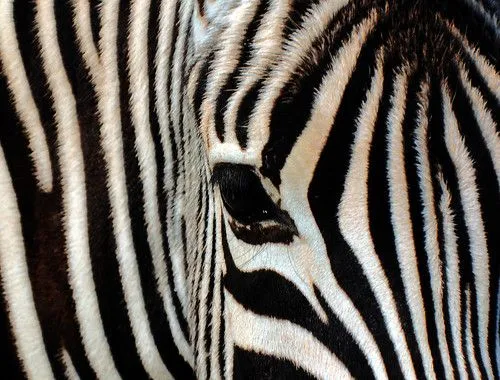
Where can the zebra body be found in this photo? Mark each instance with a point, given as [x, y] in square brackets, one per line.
[266, 188]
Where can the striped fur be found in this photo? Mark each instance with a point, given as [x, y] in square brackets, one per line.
[266, 188]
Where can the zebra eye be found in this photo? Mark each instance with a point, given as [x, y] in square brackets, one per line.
[254, 217]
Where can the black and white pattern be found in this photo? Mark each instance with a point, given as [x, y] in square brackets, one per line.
[249, 189]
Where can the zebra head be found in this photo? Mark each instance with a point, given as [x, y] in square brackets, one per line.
[248, 189]
[340, 138]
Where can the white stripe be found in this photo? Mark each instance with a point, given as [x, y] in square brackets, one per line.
[288, 261]
[228, 339]
[484, 120]
[106, 79]
[214, 305]
[162, 67]
[431, 238]
[354, 220]
[487, 70]
[468, 336]
[165, 35]
[16, 283]
[401, 221]
[265, 49]
[177, 207]
[74, 196]
[70, 372]
[296, 178]
[202, 296]
[206, 225]
[12, 64]
[473, 220]
[297, 47]
[139, 106]
[225, 60]
[216, 311]
[82, 21]
[284, 340]
[453, 277]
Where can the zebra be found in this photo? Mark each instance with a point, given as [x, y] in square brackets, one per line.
[249, 189]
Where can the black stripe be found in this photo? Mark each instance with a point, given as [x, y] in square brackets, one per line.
[438, 194]
[15, 148]
[440, 159]
[497, 325]
[231, 83]
[101, 240]
[435, 149]
[95, 21]
[264, 292]
[325, 192]
[201, 86]
[202, 80]
[185, 142]
[409, 130]
[45, 242]
[245, 110]
[153, 301]
[251, 365]
[209, 302]
[473, 27]
[382, 230]
[162, 333]
[198, 281]
[293, 107]
[135, 190]
[478, 81]
[177, 152]
[222, 332]
[180, 315]
[463, 322]
[160, 166]
[298, 13]
[488, 194]
[169, 86]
